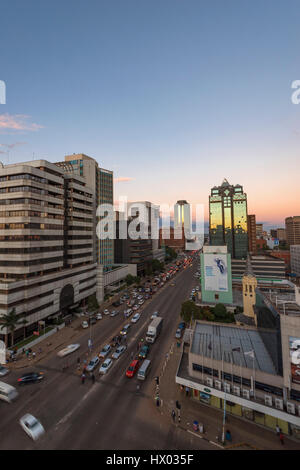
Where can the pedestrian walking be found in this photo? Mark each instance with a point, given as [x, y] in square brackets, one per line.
[83, 378]
[173, 414]
[187, 391]
[33, 355]
[281, 438]
[278, 430]
[228, 436]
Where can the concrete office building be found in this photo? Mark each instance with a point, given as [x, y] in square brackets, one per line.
[46, 243]
[259, 230]
[292, 228]
[295, 259]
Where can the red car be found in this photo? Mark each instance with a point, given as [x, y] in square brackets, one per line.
[133, 368]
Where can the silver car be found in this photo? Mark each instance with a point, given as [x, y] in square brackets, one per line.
[92, 364]
[105, 351]
[106, 365]
[32, 426]
[3, 371]
[118, 352]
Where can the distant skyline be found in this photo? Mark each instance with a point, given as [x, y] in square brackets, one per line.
[172, 96]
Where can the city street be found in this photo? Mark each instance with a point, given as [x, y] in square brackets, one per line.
[110, 414]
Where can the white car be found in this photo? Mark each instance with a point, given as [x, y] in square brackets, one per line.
[68, 350]
[106, 312]
[99, 316]
[92, 364]
[32, 426]
[84, 324]
[106, 365]
[105, 351]
[135, 318]
[141, 302]
[118, 352]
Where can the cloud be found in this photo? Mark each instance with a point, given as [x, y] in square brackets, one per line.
[17, 122]
[122, 179]
[11, 146]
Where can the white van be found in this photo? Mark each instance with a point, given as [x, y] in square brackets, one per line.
[7, 392]
[144, 369]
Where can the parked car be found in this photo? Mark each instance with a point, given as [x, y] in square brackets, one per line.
[92, 364]
[135, 307]
[3, 371]
[118, 352]
[135, 318]
[84, 324]
[68, 350]
[106, 365]
[114, 313]
[133, 368]
[104, 352]
[181, 325]
[31, 377]
[106, 312]
[144, 351]
[93, 320]
[178, 333]
[141, 302]
[32, 426]
[125, 329]
[116, 303]
[99, 316]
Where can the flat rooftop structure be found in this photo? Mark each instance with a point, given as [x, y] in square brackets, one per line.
[213, 340]
[283, 302]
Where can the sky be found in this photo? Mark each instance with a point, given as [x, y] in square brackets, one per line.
[171, 95]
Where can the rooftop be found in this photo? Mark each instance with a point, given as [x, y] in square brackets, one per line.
[214, 340]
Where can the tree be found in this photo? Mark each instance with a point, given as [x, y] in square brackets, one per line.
[92, 303]
[10, 321]
[220, 311]
[170, 253]
[188, 311]
[129, 279]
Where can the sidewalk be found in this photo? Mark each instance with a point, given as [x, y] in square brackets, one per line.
[245, 435]
[49, 345]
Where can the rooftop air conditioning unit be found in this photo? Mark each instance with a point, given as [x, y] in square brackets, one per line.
[209, 381]
[218, 384]
[246, 393]
[236, 390]
[268, 400]
[278, 403]
[290, 407]
[226, 387]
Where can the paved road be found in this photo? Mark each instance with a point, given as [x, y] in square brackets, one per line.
[110, 414]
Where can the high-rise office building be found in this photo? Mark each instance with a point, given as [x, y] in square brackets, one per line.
[46, 243]
[259, 230]
[292, 228]
[252, 234]
[228, 218]
[101, 182]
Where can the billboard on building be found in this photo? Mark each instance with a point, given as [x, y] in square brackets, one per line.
[216, 272]
[294, 344]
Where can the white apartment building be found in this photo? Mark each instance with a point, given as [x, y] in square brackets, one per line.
[46, 243]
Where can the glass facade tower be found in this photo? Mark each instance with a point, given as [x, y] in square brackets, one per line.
[228, 219]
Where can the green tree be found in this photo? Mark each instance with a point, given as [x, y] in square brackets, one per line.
[129, 279]
[220, 312]
[10, 321]
[188, 311]
[170, 254]
[92, 303]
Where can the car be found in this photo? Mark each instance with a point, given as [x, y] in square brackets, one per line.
[105, 350]
[135, 318]
[154, 315]
[133, 368]
[32, 426]
[99, 316]
[144, 351]
[128, 312]
[125, 329]
[106, 365]
[84, 324]
[172, 284]
[30, 377]
[135, 307]
[115, 340]
[114, 313]
[140, 297]
[68, 350]
[181, 325]
[92, 364]
[106, 312]
[118, 352]
[93, 320]
[178, 333]
[3, 371]
[141, 302]
[116, 303]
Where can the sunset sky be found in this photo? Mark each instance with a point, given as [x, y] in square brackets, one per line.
[171, 95]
